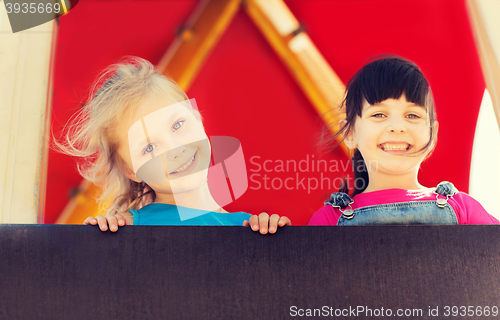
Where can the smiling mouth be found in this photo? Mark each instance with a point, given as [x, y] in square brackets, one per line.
[395, 146]
[185, 166]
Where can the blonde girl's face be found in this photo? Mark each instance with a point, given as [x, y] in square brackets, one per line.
[165, 145]
[390, 134]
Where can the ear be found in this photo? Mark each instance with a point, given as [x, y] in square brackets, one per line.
[349, 139]
[436, 126]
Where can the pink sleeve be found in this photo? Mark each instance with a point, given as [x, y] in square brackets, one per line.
[469, 211]
[326, 216]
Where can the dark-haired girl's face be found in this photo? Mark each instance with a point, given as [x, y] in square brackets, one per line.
[390, 135]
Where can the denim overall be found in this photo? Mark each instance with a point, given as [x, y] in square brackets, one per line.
[437, 211]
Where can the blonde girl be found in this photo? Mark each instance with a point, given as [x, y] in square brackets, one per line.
[140, 138]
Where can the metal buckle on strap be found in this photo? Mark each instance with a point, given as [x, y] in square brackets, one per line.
[441, 203]
[446, 189]
[348, 213]
[341, 201]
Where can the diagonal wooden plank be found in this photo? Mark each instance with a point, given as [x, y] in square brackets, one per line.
[307, 66]
[196, 39]
[82, 204]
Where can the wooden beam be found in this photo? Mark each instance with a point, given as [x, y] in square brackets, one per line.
[196, 39]
[483, 16]
[307, 66]
[82, 204]
[25, 85]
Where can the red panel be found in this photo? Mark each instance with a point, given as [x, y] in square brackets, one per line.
[244, 90]
[92, 36]
[434, 34]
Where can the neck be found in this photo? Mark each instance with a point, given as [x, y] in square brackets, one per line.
[198, 198]
[382, 181]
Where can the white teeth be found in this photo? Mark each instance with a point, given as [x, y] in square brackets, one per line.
[184, 167]
[394, 147]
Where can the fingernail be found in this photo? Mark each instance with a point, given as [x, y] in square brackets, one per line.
[263, 230]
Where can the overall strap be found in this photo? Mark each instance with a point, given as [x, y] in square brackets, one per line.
[446, 189]
[342, 201]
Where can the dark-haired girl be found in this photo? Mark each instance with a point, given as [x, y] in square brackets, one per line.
[391, 127]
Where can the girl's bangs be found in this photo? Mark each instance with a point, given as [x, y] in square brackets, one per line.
[379, 82]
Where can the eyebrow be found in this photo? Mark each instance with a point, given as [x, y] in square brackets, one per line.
[170, 116]
[410, 105]
[141, 144]
[175, 114]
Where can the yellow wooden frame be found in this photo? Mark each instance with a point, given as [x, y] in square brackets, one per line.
[307, 66]
[196, 40]
[26, 61]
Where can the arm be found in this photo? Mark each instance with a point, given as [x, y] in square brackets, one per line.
[326, 216]
[470, 211]
[114, 221]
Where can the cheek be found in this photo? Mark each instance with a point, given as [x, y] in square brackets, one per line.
[424, 132]
[123, 158]
[136, 161]
[204, 149]
[195, 131]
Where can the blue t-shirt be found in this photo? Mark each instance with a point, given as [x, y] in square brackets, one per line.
[160, 214]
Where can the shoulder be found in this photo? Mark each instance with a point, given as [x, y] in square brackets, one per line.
[155, 213]
[153, 208]
[330, 213]
[243, 215]
[210, 218]
[166, 214]
[467, 209]
[470, 211]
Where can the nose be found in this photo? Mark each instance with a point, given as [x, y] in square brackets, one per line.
[396, 125]
[176, 152]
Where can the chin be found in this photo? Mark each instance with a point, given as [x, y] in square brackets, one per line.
[190, 182]
[395, 169]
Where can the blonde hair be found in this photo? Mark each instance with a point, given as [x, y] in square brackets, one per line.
[89, 134]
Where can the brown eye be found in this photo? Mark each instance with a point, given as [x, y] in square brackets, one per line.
[413, 116]
[378, 115]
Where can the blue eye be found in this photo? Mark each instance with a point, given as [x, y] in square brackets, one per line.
[148, 149]
[178, 125]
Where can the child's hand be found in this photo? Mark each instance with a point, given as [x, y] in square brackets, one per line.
[113, 220]
[263, 222]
